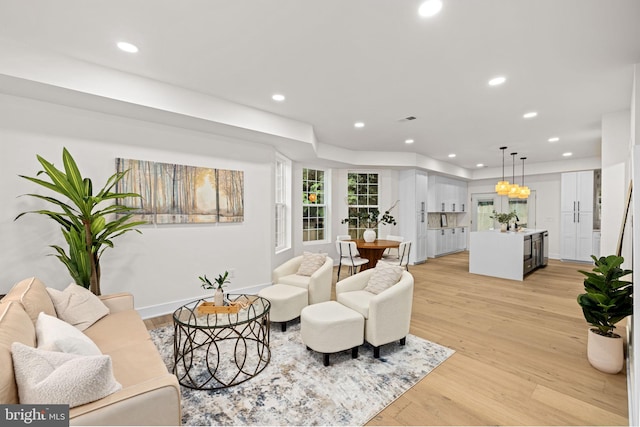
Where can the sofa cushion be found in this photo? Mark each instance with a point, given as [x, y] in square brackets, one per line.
[117, 330]
[15, 326]
[77, 306]
[137, 362]
[384, 276]
[57, 335]
[311, 262]
[33, 296]
[51, 377]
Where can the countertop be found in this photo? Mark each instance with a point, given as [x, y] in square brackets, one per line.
[525, 232]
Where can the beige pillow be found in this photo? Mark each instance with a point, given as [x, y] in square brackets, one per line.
[384, 276]
[51, 377]
[311, 262]
[78, 306]
[57, 335]
[15, 326]
[32, 294]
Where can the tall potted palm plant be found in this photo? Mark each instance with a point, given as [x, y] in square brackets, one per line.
[85, 224]
[608, 299]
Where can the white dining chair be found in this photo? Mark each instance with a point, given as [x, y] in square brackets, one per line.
[349, 256]
[391, 254]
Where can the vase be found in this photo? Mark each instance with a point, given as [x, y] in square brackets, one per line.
[503, 227]
[218, 297]
[606, 354]
[369, 235]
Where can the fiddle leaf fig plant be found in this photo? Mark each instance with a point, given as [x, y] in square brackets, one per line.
[87, 226]
[608, 299]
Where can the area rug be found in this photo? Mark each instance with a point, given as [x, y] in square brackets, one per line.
[297, 389]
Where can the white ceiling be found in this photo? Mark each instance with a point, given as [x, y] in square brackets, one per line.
[376, 61]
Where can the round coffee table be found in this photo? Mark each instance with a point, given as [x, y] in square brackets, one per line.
[214, 351]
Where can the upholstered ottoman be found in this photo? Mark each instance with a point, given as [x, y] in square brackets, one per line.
[286, 302]
[330, 327]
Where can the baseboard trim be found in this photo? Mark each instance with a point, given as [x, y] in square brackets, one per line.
[157, 310]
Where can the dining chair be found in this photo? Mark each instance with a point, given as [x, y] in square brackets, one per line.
[343, 237]
[392, 254]
[349, 256]
[403, 254]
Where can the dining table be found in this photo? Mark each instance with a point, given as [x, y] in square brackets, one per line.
[373, 251]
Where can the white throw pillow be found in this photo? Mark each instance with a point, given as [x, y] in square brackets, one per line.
[49, 377]
[311, 262]
[57, 335]
[384, 276]
[78, 306]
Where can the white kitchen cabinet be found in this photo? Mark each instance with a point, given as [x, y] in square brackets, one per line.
[446, 195]
[576, 216]
[446, 241]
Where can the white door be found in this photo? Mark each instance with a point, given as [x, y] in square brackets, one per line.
[482, 206]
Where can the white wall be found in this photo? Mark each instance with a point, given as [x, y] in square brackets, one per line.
[547, 192]
[615, 162]
[161, 266]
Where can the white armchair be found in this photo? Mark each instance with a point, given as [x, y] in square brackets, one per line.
[387, 315]
[318, 284]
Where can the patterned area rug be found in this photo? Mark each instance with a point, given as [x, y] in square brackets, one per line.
[297, 389]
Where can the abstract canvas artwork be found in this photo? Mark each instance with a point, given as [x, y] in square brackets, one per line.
[179, 194]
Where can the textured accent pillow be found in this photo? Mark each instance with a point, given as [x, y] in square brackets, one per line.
[311, 262]
[57, 335]
[50, 377]
[78, 306]
[384, 276]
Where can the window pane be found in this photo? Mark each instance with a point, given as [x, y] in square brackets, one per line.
[313, 199]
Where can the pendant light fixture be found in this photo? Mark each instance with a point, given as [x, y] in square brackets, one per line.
[502, 187]
[514, 190]
[524, 191]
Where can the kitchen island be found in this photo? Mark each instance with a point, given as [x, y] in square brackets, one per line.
[509, 255]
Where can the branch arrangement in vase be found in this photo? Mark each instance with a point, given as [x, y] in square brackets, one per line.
[502, 217]
[372, 218]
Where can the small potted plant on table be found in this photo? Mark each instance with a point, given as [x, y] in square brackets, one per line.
[220, 281]
[607, 300]
[370, 219]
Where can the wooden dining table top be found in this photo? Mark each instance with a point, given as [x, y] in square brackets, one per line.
[376, 244]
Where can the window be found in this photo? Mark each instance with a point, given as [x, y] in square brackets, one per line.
[282, 203]
[362, 195]
[521, 209]
[484, 212]
[314, 208]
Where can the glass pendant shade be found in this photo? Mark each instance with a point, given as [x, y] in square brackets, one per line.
[503, 187]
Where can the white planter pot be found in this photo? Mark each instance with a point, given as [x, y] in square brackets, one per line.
[218, 298]
[503, 227]
[369, 235]
[605, 353]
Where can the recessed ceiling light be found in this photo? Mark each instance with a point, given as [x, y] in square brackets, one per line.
[554, 139]
[358, 124]
[408, 141]
[278, 97]
[567, 154]
[480, 165]
[430, 8]
[496, 81]
[451, 156]
[127, 47]
[530, 115]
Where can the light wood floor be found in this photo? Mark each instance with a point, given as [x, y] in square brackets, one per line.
[520, 351]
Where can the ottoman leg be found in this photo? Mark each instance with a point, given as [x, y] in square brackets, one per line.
[325, 359]
[403, 340]
[284, 326]
[376, 352]
[354, 352]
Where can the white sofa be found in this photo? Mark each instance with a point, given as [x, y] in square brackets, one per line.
[150, 395]
[387, 315]
[318, 284]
